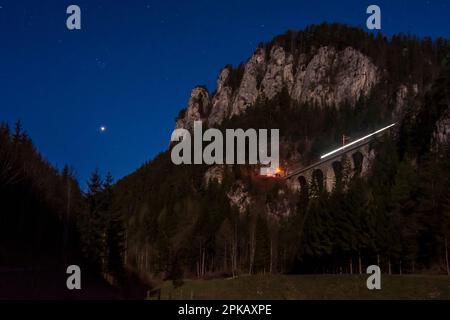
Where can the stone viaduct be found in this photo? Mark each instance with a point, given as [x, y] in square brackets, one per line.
[330, 168]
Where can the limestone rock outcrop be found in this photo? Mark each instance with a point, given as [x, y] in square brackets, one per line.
[326, 77]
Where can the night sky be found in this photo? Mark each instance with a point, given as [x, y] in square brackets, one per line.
[133, 64]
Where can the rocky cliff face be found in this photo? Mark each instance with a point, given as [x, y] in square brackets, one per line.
[279, 73]
[197, 108]
[335, 77]
[222, 99]
[248, 91]
[239, 197]
[326, 77]
[405, 94]
[441, 134]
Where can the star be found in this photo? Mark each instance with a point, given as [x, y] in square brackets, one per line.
[102, 129]
[100, 63]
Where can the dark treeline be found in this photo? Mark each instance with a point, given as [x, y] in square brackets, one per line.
[101, 229]
[45, 214]
[397, 217]
[38, 204]
[47, 223]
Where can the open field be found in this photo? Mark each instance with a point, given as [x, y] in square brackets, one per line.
[311, 287]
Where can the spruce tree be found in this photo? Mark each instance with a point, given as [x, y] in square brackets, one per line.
[115, 234]
[93, 225]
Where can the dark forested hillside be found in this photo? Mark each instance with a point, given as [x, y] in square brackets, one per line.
[42, 229]
[38, 204]
[180, 223]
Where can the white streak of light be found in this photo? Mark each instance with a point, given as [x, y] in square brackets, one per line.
[356, 141]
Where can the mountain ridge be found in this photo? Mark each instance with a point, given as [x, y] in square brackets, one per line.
[195, 220]
[324, 74]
